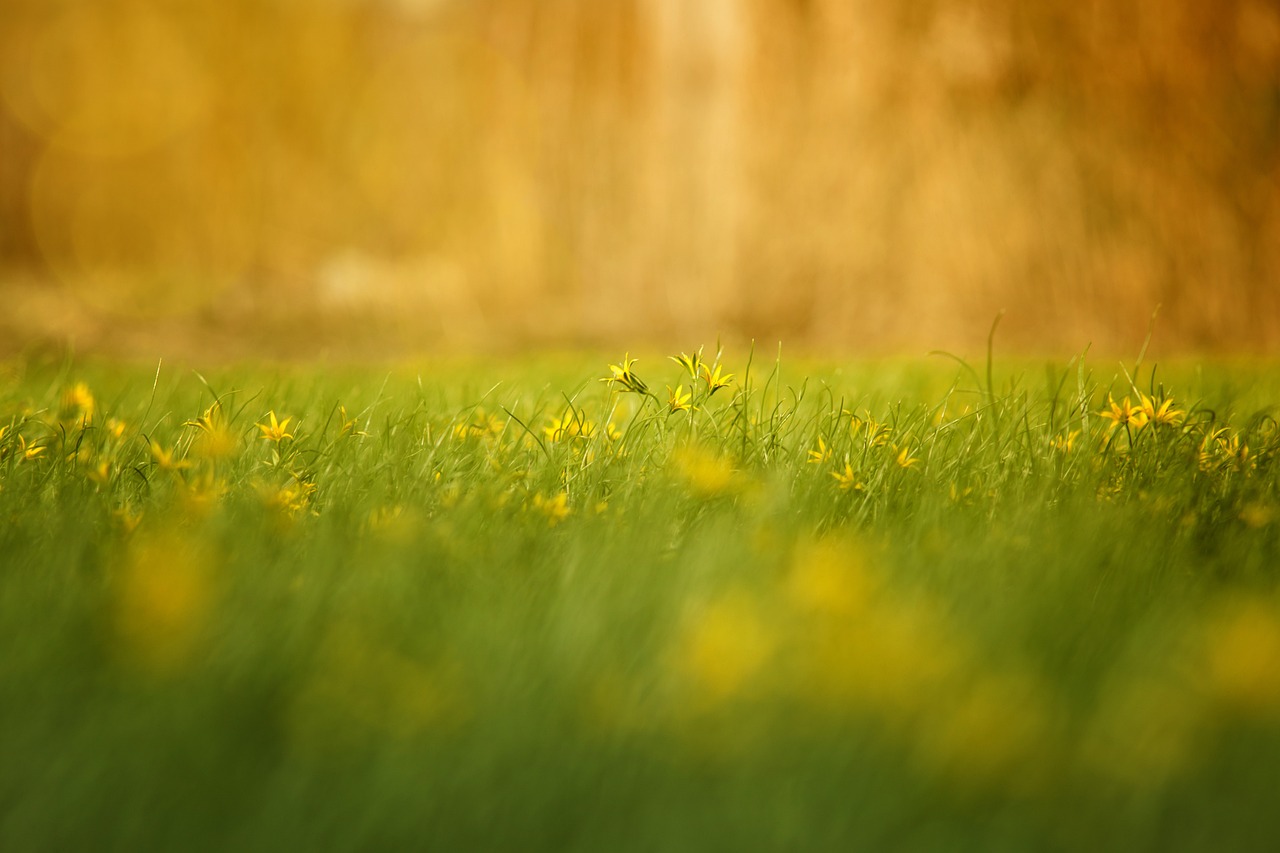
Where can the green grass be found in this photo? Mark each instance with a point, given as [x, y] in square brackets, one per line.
[862, 606]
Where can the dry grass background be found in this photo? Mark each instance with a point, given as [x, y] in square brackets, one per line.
[278, 176]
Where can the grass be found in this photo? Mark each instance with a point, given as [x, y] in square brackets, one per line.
[509, 606]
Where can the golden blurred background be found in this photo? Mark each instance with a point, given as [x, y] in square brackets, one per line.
[291, 177]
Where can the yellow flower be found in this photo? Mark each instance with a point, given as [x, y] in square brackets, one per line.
[1065, 443]
[276, 431]
[1162, 415]
[29, 451]
[348, 424]
[715, 381]
[215, 439]
[679, 399]
[905, 459]
[875, 434]
[556, 508]
[621, 374]
[690, 363]
[820, 455]
[164, 459]
[847, 480]
[1124, 414]
[78, 404]
[571, 425]
[100, 473]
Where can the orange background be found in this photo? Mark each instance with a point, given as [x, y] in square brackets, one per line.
[380, 176]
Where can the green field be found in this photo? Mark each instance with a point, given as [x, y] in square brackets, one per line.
[506, 605]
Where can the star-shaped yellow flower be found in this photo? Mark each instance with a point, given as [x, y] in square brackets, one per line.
[277, 430]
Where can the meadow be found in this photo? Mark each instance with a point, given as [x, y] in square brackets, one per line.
[695, 601]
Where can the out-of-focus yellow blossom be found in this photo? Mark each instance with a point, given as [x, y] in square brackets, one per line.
[1242, 656]
[289, 499]
[904, 458]
[28, 452]
[1064, 444]
[347, 425]
[164, 459]
[555, 508]
[821, 454]
[570, 425]
[276, 430]
[215, 439]
[873, 434]
[78, 405]
[847, 479]
[99, 474]
[707, 474]
[829, 577]
[163, 594]
[115, 427]
[723, 649]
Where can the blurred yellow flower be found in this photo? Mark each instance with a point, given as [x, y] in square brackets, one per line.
[847, 479]
[904, 458]
[164, 459]
[706, 473]
[78, 404]
[821, 454]
[215, 440]
[1242, 646]
[724, 648]
[163, 593]
[555, 508]
[29, 451]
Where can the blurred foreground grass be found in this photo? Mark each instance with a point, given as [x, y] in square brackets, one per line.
[505, 605]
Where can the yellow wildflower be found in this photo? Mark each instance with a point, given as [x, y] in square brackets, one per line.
[556, 508]
[691, 363]
[571, 425]
[215, 440]
[904, 458]
[1162, 415]
[679, 399]
[78, 404]
[348, 425]
[100, 473]
[29, 451]
[715, 381]
[1065, 443]
[276, 430]
[706, 473]
[821, 454]
[164, 459]
[847, 479]
[621, 374]
[1124, 414]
